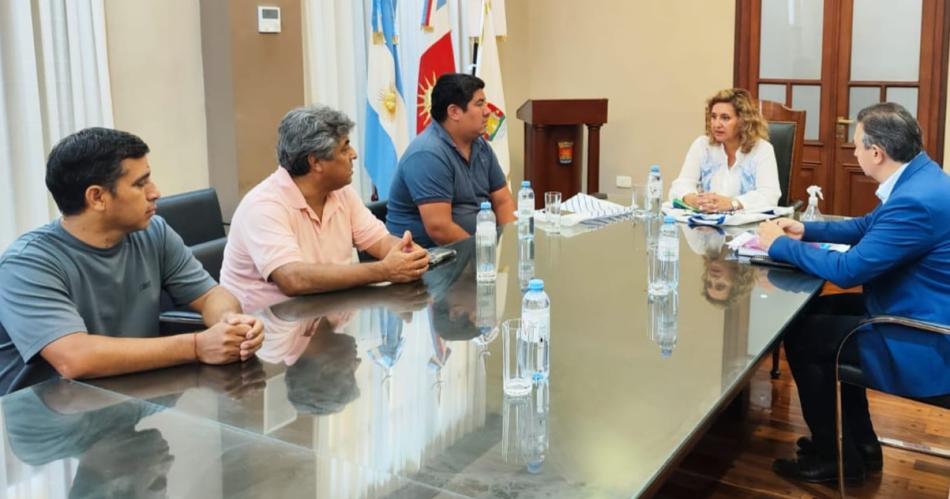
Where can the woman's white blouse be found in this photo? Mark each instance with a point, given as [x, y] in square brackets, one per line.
[752, 180]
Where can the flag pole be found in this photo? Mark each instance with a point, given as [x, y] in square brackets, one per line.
[481, 33]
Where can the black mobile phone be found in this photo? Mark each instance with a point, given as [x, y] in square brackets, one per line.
[438, 255]
[768, 262]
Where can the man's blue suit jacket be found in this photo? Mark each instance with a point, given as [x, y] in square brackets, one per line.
[901, 255]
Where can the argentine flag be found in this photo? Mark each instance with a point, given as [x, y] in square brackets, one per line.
[386, 130]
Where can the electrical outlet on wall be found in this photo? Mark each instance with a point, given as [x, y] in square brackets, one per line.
[624, 181]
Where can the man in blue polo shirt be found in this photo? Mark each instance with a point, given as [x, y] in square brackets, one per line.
[449, 169]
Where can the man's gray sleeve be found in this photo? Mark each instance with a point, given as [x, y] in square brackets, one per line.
[183, 277]
[35, 306]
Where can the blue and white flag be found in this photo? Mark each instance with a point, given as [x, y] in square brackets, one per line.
[386, 133]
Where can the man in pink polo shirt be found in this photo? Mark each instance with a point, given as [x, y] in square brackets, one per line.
[294, 233]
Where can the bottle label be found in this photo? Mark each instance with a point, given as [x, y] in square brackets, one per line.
[535, 323]
[668, 249]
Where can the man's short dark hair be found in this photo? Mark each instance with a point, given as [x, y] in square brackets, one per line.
[892, 128]
[453, 88]
[92, 156]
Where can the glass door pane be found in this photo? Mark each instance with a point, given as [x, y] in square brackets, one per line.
[904, 96]
[885, 40]
[791, 39]
[772, 92]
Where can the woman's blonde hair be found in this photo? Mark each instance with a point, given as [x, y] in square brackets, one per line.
[752, 126]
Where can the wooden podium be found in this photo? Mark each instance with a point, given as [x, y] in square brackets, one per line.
[549, 125]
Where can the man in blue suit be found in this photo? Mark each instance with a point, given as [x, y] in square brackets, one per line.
[900, 254]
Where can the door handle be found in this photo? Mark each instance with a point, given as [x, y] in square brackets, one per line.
[842, 125]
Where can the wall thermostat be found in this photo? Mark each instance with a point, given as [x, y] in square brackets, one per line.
[268, 19]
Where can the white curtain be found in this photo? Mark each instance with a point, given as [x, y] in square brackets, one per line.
[335, 34]
[54, 80]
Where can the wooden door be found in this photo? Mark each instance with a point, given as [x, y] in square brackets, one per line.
[834, 57]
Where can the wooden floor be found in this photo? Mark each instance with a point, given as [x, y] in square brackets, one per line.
[734, 459]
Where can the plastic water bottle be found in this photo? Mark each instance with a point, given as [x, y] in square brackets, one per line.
[485, 242]
[536, 326]
[525, 210]
[526, 201]
[665, 271]
[654, 192]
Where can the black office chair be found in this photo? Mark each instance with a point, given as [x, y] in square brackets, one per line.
[379, 210]
[787, 136]
[852, 374]
[196, 217]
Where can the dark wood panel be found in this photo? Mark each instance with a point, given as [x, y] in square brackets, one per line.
[863, 199]
[812, 154]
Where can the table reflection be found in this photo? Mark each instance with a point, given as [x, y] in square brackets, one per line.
[49, 424]
[630, 381]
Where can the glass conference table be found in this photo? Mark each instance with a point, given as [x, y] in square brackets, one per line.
[395, 391]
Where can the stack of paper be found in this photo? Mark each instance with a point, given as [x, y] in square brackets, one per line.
[588, 210]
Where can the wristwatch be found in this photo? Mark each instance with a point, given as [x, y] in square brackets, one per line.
[735, 205]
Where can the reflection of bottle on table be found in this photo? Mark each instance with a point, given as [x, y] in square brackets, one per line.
[664, 319]
[536, 321]
[536, 437]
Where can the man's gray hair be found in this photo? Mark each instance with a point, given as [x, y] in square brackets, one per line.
[892, 128]
[310, 130]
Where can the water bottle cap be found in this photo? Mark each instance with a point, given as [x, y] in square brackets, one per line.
[534, 467]
[535, 285]
[654, 168]
[669, 220]
[486, 205]
[525, 183]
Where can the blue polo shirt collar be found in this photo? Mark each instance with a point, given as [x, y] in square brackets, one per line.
[477, 145]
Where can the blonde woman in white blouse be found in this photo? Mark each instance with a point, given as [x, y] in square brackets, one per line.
[732, 166]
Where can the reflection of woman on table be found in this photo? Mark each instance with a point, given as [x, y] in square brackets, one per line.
[724, 281]
[732, 166]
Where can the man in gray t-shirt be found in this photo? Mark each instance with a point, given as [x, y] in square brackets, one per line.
[79, 297]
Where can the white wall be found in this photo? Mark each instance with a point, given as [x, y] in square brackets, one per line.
[656, 62]
[158, 86]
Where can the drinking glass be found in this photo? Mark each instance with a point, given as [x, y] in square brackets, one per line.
[638, 200]
[516, 374]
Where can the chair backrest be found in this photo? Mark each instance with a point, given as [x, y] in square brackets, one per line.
[787, 135]
[195, 215]
[379, 209]
[852, 372]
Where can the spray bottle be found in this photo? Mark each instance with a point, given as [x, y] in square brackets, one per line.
[811, 212]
